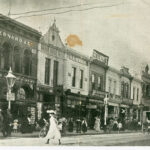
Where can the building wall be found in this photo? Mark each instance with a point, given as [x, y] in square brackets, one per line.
[48, 53]
[114, 76]
[136, 84]
[99, 71]
[72, 60]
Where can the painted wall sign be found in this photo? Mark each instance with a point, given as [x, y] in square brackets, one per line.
[15, 38]
[97, 55]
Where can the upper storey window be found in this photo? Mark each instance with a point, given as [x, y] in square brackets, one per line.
[6, 56]
[27, 62]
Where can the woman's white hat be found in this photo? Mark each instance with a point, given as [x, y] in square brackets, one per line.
[51, 112]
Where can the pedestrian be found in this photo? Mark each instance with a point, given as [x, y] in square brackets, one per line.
[78, 125]
[70, 125]
[7, 121]
[84, 125]
[119, 127]
[97, 124]
[1, 121]
[115, 125]
[15, 126]
[53, 132]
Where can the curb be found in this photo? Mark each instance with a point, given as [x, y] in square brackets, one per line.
[77, 134]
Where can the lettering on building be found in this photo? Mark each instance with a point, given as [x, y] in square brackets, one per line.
[101, 57]
[14, 37]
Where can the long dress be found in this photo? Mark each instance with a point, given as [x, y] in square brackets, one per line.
[84, 126]
[53, 132]
[97, 124]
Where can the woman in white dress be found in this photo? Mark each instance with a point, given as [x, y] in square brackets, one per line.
[53, 132]
[97, 124]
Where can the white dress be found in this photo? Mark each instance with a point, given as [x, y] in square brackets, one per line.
[53, 132]
[97, 124]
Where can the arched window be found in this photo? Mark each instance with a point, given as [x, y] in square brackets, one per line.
[5, 56]
[27, 62]
[16, 60]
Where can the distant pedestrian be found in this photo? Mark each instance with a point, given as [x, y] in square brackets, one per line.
[7, 121]
[1, 121]
[97, 124]
[15, 126]
[78, 125]
[84, 125]
[53, 132]
[70, 125]
[115, 125]
[119, 127]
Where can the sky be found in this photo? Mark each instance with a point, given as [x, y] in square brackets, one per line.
[117, 28]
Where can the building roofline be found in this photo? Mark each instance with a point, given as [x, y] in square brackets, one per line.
[75, 52]
[100, 53]
[114, 70]
[10, 20]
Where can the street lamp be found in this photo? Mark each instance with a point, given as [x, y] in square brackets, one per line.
[10, 83]
[106, 111]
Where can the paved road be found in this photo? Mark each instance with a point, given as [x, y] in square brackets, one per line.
[127, 139]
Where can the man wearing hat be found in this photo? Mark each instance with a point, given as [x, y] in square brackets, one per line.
[53, 132]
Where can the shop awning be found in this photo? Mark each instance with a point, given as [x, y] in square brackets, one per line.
[96, 101]
[125, 106]
[113, 104]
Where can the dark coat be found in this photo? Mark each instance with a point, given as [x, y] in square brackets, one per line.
[1, 122]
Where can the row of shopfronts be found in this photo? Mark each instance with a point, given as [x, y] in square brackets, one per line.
[32, 97]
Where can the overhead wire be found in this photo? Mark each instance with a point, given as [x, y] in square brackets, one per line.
[67, 11]
[62, 12]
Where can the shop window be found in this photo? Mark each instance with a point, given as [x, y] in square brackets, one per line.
[16, 60]
[73, 76]
[6, 56]
[47, 70]
[81, 79]
[55, 73]
[27, 62]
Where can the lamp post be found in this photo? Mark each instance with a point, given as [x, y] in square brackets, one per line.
[105, 104]
[10, 83]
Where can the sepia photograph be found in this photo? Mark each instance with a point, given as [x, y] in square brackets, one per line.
[74, 73]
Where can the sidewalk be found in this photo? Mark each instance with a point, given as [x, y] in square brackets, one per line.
[89, 132]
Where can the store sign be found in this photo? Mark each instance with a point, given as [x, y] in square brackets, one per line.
[101, 57]
[10, 96]
[91, 106]
[98, 93]
[15, 38]
[39, 110]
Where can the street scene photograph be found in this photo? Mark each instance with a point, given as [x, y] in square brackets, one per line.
[74, 73]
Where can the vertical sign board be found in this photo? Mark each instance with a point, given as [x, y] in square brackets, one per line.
[10, 96]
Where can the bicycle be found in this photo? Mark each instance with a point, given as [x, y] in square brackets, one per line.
[44, 130]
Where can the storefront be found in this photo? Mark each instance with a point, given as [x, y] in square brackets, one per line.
[76, 106]
[45, 100]
[18, 50]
